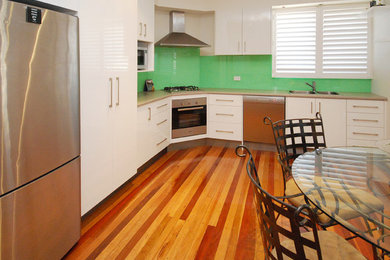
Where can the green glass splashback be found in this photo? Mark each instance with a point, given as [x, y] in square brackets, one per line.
[185, 66]
[173, 67]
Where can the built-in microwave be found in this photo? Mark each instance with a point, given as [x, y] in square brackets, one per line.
[142, 58]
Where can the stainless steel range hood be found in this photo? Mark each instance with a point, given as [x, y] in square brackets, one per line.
[177, 36]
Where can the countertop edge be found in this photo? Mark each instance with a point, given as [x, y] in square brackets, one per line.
[150, 97]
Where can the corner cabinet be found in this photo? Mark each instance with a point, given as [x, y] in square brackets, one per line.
[333, 112]
[108, 81]
[243, 28]
[145, 20]
[153, 129]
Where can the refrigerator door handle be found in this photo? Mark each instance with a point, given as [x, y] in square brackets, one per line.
[117, 99]
[111, 93]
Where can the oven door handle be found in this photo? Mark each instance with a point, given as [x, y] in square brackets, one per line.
[190, 108]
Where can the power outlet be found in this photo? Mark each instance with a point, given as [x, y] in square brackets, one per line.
[237, 78]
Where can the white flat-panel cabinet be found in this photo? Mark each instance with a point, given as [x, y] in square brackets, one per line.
[153, 129]
[243, 28]
[300, 107]
[256, 27]
[333, 112]
[228, 30]
[108, 100]
[225, 117]
[145, 20]
[334, 116]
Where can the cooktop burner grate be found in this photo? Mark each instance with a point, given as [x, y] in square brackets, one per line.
[181, 88]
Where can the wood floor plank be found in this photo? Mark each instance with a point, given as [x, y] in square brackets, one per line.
[195, 203]
[132, 232]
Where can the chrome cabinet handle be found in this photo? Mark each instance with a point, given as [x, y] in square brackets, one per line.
[222, 114]
[225, 100]
[111, 93]
[365, 120]
[358, 133]
[145, 29]
[162, 106]
[162, 122]
[150, 113]
[222, 131]
[365, 106]
[140, 31]
[238, 47]
[162, 141]
[189, 109]
[311, 107]
[117, 99]
[244, 46]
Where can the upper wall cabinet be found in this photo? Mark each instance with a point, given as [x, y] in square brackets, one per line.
[146, 20]
[243, 28]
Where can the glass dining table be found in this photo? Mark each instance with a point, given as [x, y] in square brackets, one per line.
[357, 179]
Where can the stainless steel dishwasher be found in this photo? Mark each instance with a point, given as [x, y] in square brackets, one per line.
[255, 109]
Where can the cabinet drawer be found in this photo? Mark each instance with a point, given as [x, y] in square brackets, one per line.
[225, 131]
[225, 100]
[355, 142]
[365, 106]
[365, 119]
[163, 127]
[225, 114]
[161, 106]
[365, 133]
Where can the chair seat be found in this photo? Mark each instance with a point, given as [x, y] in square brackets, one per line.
[332, 246]
[344, 209]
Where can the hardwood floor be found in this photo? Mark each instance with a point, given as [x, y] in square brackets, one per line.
[191, 204]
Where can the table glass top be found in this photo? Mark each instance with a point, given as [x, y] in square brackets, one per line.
[352, 186]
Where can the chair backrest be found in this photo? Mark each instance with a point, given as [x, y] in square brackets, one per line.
[294, 137]
[280, 221]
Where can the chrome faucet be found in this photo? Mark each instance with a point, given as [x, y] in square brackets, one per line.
[312, 85]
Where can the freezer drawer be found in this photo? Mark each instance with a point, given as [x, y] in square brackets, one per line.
[42, 219]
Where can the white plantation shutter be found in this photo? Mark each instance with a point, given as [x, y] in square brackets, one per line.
[295, 38]
[345, 41]
[322, 41]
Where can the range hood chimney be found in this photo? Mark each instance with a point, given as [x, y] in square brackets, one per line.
[177, 36]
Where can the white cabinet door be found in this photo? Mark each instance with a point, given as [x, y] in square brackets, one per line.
[243, 27]
[125, 97]
[333, 112]
[256, 28]
[107, 51]
[144, 134]
[96, 114]
[300, 107]
[334, 118]
[228, 30]
[145, 26]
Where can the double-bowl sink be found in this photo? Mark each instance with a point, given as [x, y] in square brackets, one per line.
[304, 92]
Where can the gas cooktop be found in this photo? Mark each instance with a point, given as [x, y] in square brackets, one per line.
[181, 88]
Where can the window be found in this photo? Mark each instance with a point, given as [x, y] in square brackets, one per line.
[321, 41]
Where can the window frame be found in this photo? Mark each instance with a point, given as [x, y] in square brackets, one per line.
[319, 7]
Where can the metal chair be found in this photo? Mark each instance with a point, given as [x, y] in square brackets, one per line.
[289, 240]
[294, 137]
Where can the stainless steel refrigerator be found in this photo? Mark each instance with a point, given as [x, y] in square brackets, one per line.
[40, 136]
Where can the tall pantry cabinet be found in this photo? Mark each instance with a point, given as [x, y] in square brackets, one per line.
[108, 81]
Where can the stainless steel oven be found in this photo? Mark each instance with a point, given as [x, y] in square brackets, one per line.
[189, 117]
